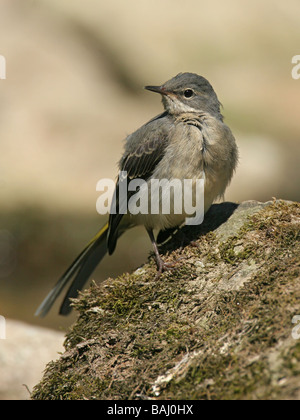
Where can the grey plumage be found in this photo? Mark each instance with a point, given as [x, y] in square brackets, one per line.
[189, 140]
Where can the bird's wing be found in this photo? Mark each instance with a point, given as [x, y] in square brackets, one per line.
[145, 149]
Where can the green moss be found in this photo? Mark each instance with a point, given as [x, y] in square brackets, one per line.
[133, 329]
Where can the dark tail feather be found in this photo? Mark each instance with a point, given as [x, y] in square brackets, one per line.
[95, 255]
[81, 268]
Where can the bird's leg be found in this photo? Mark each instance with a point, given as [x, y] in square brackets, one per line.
[161, 265]
[186, 241]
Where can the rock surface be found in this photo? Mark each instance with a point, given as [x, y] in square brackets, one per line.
[23, 355]
[219, 326]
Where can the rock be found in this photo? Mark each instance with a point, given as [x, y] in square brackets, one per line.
[23, 355]
[219, 326]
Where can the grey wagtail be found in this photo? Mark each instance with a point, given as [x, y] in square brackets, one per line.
[189, 140]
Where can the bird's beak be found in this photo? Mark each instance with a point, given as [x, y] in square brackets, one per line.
[157, 89]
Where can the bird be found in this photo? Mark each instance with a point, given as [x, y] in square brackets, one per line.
[188, 140]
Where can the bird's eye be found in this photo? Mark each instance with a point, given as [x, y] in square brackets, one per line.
[188, 93]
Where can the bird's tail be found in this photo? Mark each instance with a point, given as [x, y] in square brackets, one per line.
[80, 270]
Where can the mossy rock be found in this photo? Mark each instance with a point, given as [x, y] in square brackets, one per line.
[219, 326]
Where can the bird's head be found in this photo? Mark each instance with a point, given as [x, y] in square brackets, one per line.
[188, 92]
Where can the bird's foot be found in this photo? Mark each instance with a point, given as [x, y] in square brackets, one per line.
[163, 266]
[186, 241]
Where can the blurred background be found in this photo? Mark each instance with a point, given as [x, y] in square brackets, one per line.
[75, 72]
